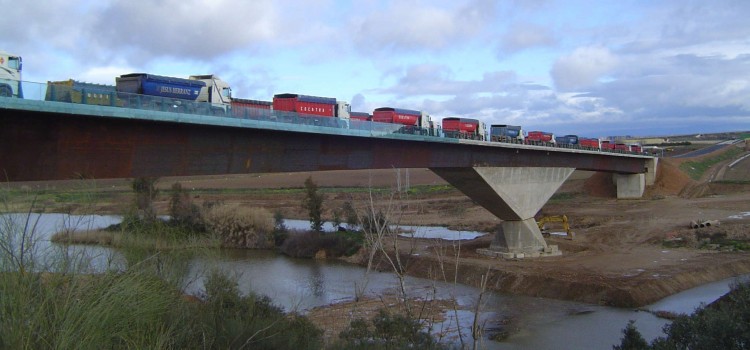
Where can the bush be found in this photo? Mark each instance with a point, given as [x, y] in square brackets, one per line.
[307, 244]
[229, 320]
[241, 227]
[182, 211]
[722, 325]
[313, 203]
[386, 331]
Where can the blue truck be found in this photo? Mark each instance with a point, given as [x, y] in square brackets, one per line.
[170, 93]
[506, 133]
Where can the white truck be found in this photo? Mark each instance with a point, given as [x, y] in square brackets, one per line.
[10, 75]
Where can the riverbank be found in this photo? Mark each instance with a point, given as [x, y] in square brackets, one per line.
[625, 253]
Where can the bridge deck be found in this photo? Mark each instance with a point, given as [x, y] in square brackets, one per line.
[53, 140]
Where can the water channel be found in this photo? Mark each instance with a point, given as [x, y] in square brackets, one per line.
[301, 284]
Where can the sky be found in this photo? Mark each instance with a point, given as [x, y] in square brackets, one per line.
[591, 68]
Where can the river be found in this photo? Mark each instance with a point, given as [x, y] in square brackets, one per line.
[300, 284]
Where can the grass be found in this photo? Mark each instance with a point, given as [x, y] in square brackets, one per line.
[696, 169]
[563, 196]
[136, 306]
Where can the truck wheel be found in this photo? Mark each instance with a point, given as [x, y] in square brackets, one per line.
[5, 91]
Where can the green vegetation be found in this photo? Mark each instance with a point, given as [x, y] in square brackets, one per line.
[733, 182]
[721, 325]
[313, 203]
[563, 196]
[696, 169]
[49, 300]
[386, 331]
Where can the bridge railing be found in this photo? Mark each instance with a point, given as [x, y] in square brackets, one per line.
[106, 96]
[100, 95]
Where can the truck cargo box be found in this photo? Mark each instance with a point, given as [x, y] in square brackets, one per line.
[361, 116]
[506, 133]
[607, 145]
[591, 143]
[246, 108]
[396, 116]
[540, 136]
[157, 85]
[79, 92]
[463, 125]
[567, 140]
[303, 104]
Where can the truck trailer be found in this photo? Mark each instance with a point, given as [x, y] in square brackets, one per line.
[506, 133]
[170, 93]
[463, 128]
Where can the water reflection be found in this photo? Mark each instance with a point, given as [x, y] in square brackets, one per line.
[301, 284]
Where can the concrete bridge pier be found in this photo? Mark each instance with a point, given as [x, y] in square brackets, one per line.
[515, 195]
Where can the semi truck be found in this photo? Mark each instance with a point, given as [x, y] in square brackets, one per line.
[413, 121]
[175, 93]
[463, 128]
[540, 138]
[10, 75]
[506, 133]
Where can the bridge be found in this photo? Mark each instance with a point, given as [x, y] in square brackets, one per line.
[48, 140]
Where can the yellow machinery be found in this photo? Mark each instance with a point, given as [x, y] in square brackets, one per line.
[555, 218]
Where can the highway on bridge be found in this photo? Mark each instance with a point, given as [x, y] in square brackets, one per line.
[47, 140]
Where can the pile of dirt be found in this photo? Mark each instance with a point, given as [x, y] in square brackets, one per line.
[670, 180]
[600, 185]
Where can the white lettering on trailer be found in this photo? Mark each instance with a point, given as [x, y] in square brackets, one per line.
[174, 90]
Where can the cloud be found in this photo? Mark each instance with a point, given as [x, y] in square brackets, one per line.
[184, 29]
[419, 25]
[434, 79]
[522, 36]
[583, 68]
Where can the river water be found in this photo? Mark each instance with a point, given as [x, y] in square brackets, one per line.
[301, 284]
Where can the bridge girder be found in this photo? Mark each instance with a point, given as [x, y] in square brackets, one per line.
[49, 146]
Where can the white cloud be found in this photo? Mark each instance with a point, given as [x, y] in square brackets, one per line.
[584, 67]
[521, 36]
[184, 29]
[419, 25]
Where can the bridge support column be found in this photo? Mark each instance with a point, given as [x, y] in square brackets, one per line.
[651, 165]
[630, 186]
[515, 195]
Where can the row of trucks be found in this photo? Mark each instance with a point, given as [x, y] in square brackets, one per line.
[515, 134]
[209, 95]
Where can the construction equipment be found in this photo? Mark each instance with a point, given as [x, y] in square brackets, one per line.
[555, 218]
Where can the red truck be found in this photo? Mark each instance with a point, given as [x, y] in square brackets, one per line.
[463, 128]
[245, 108]
[540, 137]
[589, 143]
[607, 145]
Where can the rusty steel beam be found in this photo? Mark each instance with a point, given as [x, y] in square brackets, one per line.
[53, 146]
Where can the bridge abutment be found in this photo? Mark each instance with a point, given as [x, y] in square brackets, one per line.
[630, 186]
[515, 195]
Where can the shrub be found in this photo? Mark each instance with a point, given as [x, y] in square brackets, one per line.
[145, 193]
[241, 227]
[307, 244]
[722, 325]
[182, 211]
[229, 320]
[313, 203]
[386, 331]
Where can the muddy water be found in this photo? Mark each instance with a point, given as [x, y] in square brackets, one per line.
[297, 284]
